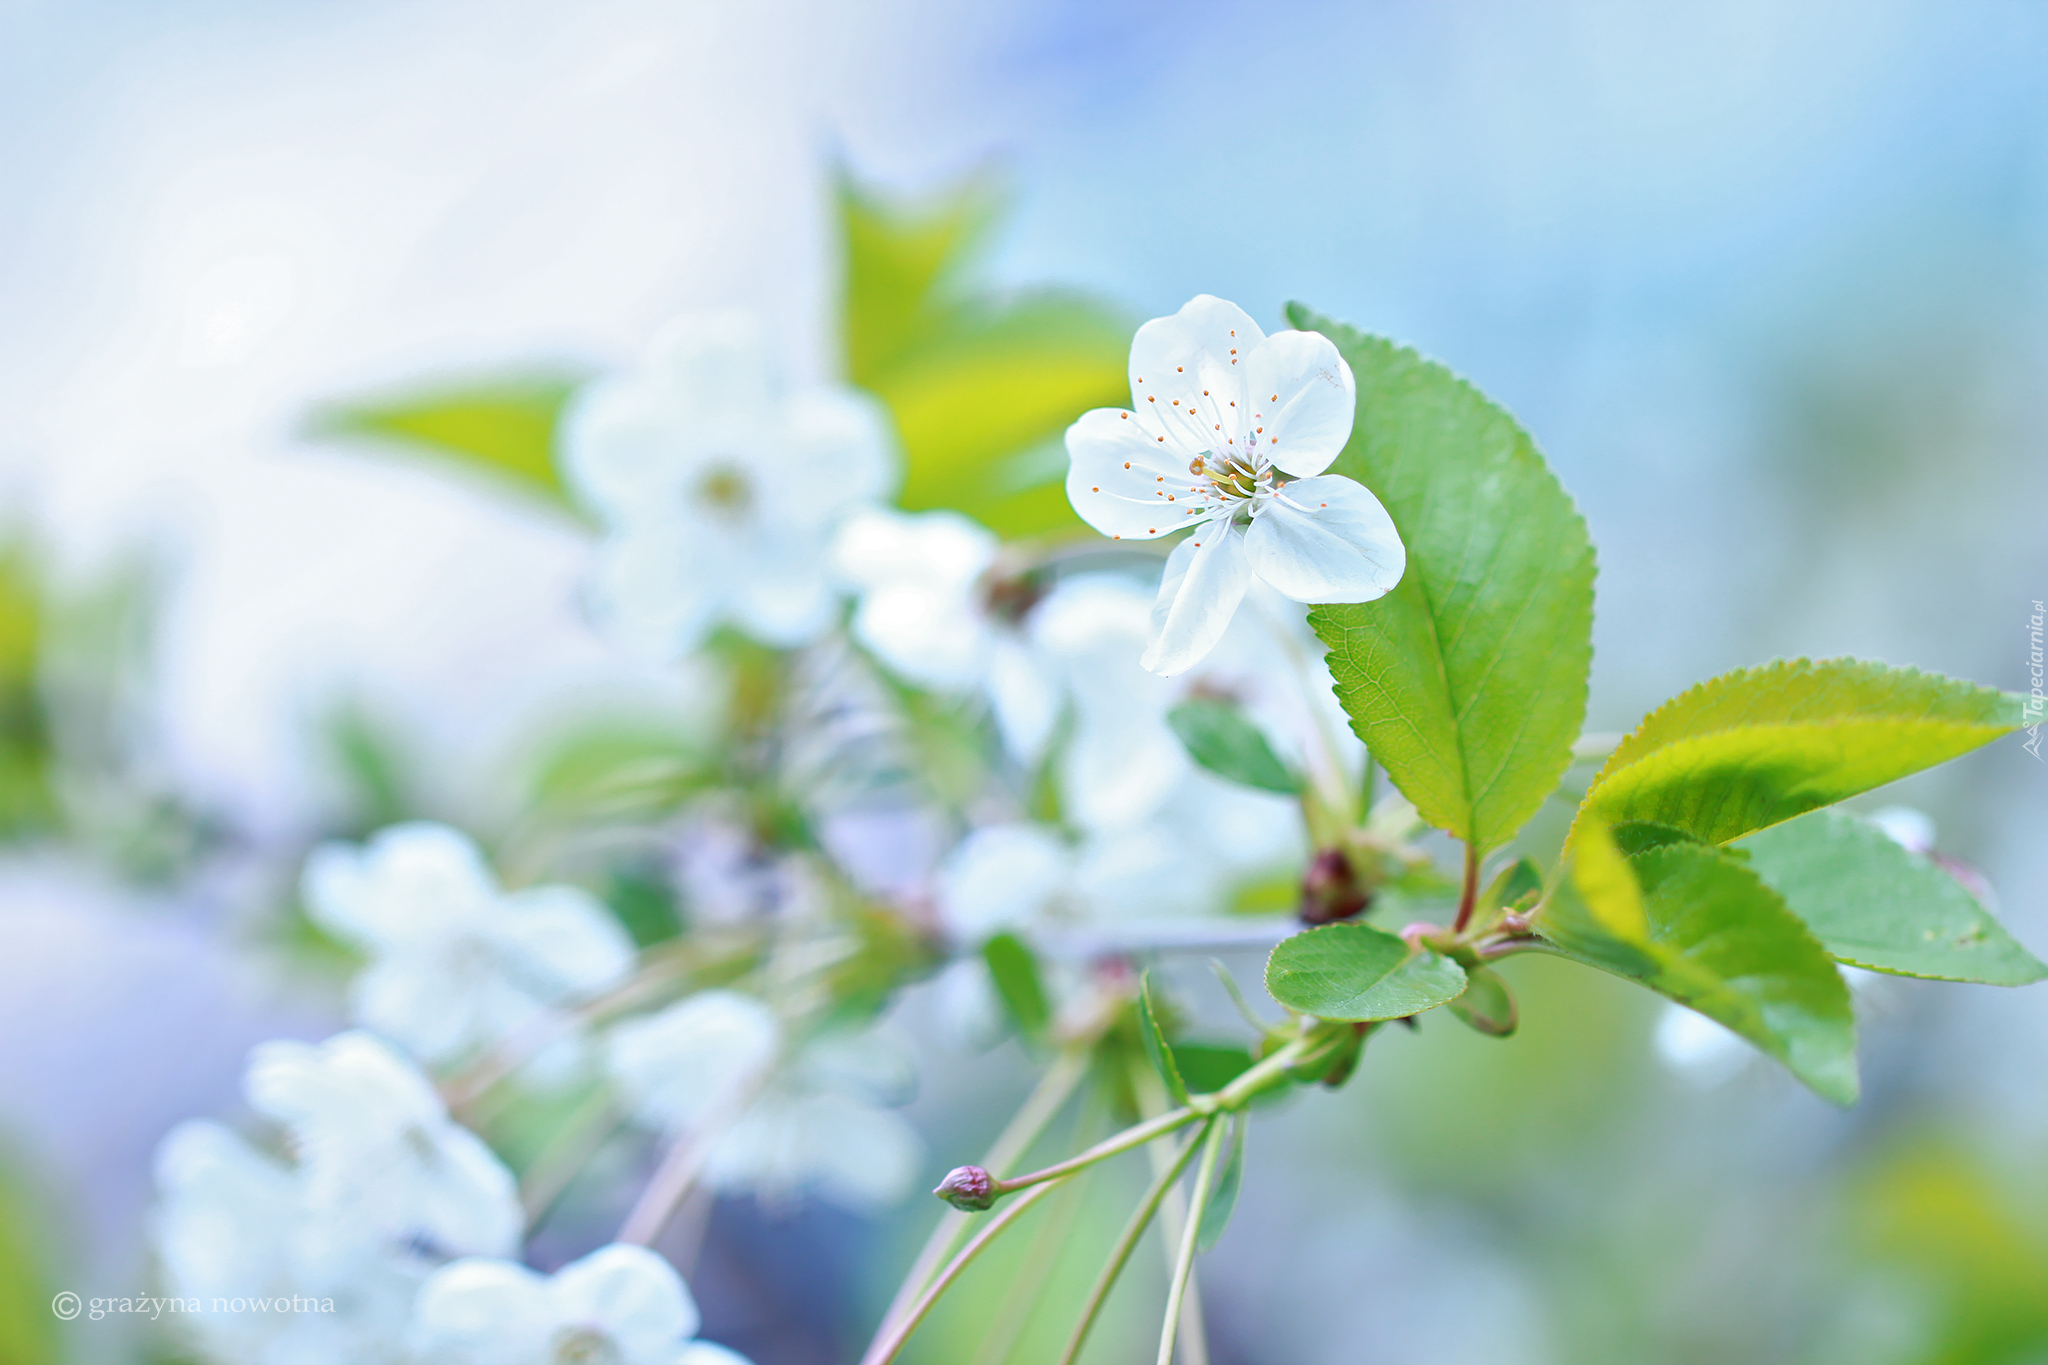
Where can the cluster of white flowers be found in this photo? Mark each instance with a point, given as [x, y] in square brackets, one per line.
[386, 1226]
[731, 501]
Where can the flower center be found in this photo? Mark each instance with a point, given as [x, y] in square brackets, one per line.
[1235, 477]
[584, 1346]
[726, 489]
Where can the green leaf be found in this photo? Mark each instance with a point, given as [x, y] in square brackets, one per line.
[1877, 905]
[1468, 681]
[1760, 745]
[1156, 1046]
[504, 427]
[981, 388]
[1487, 1005]
[1354, 971]
[1015, 972]
[1208, 1067]
[1694, 924]
[1223, 1197]
[1217, 736]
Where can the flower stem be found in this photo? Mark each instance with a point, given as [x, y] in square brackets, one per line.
[1205, 1179]
[684, 1162]
[1127, 1242]
[1240, 1092]
[892, 1338]
[1046, 1099]
[1470, 896]
[1028, 1283]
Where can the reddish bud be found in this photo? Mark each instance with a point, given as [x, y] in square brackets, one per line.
[967, 1188]
[1330, 889]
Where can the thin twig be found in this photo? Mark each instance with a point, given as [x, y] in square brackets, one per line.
[1045, 1100]
[891, 1340]
[1127, 1242]
[685, 1160]
[1176, 1298]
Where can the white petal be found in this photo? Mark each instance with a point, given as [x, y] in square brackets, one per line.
[715, 366]
[837, 450]
[710, 1353]
[923, 633]
[412, 883]
[1205, 579]
[780, 590]
[650, 591]
[879, 545]
[1001, 877]
[632, 1295]
[1023, 698]
[860, 1156]
[561, 941]
[479, 1310]
[1326, 539]
[416, 1002]
[1303, 394]
[1199, 357]
[352, 1082]
[674, 1065]
[1125, 482]
[459, 1196]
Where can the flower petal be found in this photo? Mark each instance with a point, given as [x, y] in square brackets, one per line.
[563, 941]
[1326, 539]
[1303, 394]
[477, 1310]
[1204, 581]
[1128, 484]
[1188, 371]
[632, 1295]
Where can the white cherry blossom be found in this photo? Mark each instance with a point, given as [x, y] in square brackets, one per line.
[620, 1304]
[935, 610]
[377, 1150]
[779, 1117]
[718, 487]
[234, 1223]
[1228, 437]
[456, 964]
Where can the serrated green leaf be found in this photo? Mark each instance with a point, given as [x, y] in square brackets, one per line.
[1487, 1006]
[505, 427]
[1694, 924]
[1217, 736]
[1156, 1047]
[1468, 681]
[1014, 970]
[1877, 905]
[1223, 1197]
[1357, 972]
[981, 388]
[1760, 745]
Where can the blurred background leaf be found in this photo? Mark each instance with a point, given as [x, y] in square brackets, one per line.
[982, 388]
[26, 801]
[505, 427]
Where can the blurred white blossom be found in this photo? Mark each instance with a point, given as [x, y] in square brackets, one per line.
[232, 1223]
[934, 610]
[374, 1187]
[456, 964]
[1220, 412]
[1123, 767]
[779, 1118]
[718, 488]
[377, 1149]
[621, 1304]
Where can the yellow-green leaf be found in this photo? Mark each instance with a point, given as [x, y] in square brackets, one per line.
[1760, 745]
